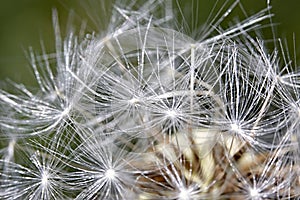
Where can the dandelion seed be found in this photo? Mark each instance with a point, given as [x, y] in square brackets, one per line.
[39, 179]
[101, 171]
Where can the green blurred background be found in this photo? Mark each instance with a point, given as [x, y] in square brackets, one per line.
[26, 23]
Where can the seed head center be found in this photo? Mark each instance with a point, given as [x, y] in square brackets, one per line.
[44, 178]
[254, 194]
[236, 128]
[171, 113]
[184, 194]
[110, 174]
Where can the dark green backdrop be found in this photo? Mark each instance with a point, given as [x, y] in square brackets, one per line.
[26, 23]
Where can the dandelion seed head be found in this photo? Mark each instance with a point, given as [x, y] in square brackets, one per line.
[163, 97]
